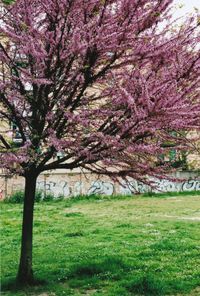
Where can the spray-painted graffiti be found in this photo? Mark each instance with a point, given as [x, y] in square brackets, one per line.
[159, 186]
[101, 187]
[77, 186]
[58, 189]
[170, 186]
[166, 186]
[132, 186]
[62, 188]
[190, 185]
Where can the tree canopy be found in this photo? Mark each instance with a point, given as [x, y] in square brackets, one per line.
[98, 81]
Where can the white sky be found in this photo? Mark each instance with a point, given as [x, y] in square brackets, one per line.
[188, 7]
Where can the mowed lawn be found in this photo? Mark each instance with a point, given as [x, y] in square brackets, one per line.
[108, 247]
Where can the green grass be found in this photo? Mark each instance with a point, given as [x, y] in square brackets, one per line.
[108, 246]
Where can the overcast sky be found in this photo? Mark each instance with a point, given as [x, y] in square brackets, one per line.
[188, 6]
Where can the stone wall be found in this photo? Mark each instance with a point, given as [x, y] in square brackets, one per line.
[76, 183]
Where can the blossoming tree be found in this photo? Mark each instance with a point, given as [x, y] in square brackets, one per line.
[103, 82]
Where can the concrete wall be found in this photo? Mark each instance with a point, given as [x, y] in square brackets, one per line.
[77, 183]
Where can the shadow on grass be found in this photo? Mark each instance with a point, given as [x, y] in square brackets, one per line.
[109, 268]
[146, 285]
[74, 234]
[74, 214]
[115, 271]
[13, 286]
[152, 285]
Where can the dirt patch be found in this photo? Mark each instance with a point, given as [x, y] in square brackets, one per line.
[180, 218]
[184, 218]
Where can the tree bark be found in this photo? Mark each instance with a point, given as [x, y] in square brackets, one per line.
[25, 271]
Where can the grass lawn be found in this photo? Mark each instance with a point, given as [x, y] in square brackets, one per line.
[108, 247]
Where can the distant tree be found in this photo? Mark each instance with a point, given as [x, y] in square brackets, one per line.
[7, 2]
[104, 83]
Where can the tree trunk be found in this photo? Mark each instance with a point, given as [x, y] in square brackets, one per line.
[25, 272]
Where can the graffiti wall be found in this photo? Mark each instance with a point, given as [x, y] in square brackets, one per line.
[73, 184]
[161, 186]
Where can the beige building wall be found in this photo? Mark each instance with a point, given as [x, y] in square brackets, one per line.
[193, 158]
